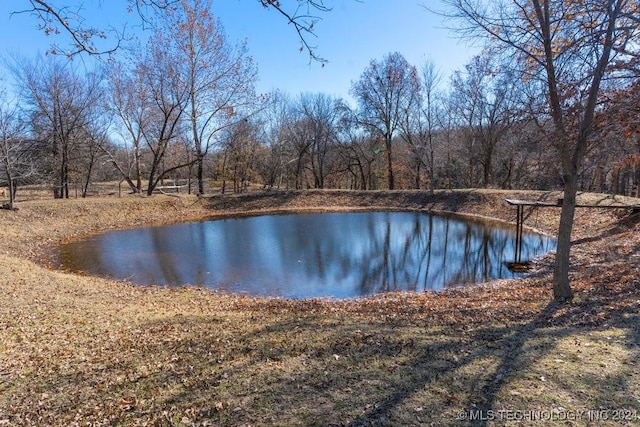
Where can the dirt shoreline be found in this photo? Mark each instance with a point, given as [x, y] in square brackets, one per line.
[84, 350]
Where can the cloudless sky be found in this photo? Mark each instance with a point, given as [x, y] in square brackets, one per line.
[349, 36]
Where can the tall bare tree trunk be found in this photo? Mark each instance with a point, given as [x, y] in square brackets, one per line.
[390, 178]
[200, 171]
[138, 187]
[12, 192]
[561, 286]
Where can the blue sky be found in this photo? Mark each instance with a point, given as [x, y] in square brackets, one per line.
[349, 37]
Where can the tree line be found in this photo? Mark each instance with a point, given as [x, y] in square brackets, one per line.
[550, 103]
[185, 108]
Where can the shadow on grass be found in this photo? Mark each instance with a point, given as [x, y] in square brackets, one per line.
[625, 224]
[320, 370]
[275, 364]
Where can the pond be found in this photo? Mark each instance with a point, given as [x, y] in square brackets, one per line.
[332, 255]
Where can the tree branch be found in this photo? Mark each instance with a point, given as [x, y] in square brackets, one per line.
[303, 23]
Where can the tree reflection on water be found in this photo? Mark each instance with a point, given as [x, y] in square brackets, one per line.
[336, 255]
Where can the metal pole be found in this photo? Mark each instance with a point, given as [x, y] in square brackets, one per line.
[519, 221]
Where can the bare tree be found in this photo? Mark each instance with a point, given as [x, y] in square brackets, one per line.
[219, 76]
[240, 147]
[272, 163]
[148, 99]
[319, 113]
[618, 128]
[89, 154]
[567, 48]
[429, 113]
[410, 124]
[299, 134]
[358, 150]
[61, 105]
[16, 160]
[167, 93]
[483, 101]
[127, 103]
[418, 124]
[384, 92]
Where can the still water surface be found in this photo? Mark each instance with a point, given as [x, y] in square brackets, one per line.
[335, 255]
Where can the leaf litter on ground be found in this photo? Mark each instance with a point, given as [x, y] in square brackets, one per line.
[80, 350]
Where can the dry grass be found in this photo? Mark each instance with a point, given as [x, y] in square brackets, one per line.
[88, 351]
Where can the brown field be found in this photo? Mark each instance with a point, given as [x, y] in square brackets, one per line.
[78, 350]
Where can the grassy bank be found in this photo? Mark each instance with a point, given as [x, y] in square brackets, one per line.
[90, 351]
